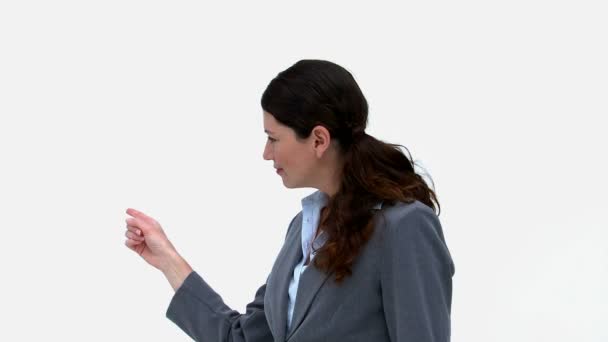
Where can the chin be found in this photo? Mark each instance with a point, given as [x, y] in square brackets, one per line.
[289, 185]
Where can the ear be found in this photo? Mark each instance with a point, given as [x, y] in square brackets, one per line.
[321, 140]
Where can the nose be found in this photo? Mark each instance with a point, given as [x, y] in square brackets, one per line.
[266, 154]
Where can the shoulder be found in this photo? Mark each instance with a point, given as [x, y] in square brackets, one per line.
[413, 229]
[293, 223]
[395, 215]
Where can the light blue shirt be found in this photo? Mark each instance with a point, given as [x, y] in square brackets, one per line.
[311, 211]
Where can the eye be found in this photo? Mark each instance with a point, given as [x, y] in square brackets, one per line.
[271, 139]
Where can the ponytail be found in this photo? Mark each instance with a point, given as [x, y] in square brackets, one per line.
[373, 171]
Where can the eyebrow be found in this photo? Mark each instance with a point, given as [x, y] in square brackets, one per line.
[267, 131]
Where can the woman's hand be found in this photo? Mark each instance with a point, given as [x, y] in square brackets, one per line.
[146, 237]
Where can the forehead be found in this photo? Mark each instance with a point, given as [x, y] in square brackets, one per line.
[271, 125]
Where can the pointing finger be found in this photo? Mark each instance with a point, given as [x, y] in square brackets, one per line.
[139, 214]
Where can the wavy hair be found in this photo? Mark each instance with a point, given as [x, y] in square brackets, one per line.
[318, 92]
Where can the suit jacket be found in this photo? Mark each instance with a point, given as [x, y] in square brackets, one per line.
[400, 290]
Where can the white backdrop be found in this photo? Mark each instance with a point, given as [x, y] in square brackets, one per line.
[155, 105]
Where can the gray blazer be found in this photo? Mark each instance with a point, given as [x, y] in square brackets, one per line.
[400, 290]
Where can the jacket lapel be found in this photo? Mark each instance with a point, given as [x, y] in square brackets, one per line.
[284, 272]
[311, 281]
[277, 295]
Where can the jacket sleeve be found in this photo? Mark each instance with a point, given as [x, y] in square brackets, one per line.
[201, 313]
[416, 278]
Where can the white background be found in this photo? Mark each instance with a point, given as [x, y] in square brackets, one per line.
[155, 105]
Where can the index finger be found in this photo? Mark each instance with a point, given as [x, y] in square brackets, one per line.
[138, 214]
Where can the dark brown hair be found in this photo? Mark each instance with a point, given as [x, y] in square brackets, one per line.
[318, 92]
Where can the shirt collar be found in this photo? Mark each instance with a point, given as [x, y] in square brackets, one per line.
[320, 198]
[316, 198]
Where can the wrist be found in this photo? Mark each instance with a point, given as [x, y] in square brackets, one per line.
[176, 269]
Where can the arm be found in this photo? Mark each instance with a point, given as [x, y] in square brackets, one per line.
[195, 307]
[416, 279]
[200, 312]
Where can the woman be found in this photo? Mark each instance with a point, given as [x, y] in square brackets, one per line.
[365, 259]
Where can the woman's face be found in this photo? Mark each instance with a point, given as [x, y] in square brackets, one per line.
[294, 159]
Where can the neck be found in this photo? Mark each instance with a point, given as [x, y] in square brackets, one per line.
[331, 179]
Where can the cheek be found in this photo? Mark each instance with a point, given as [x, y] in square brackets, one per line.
[293, 158]
[286, 158]
[298, 162]
[277, 153]
[283, 158]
